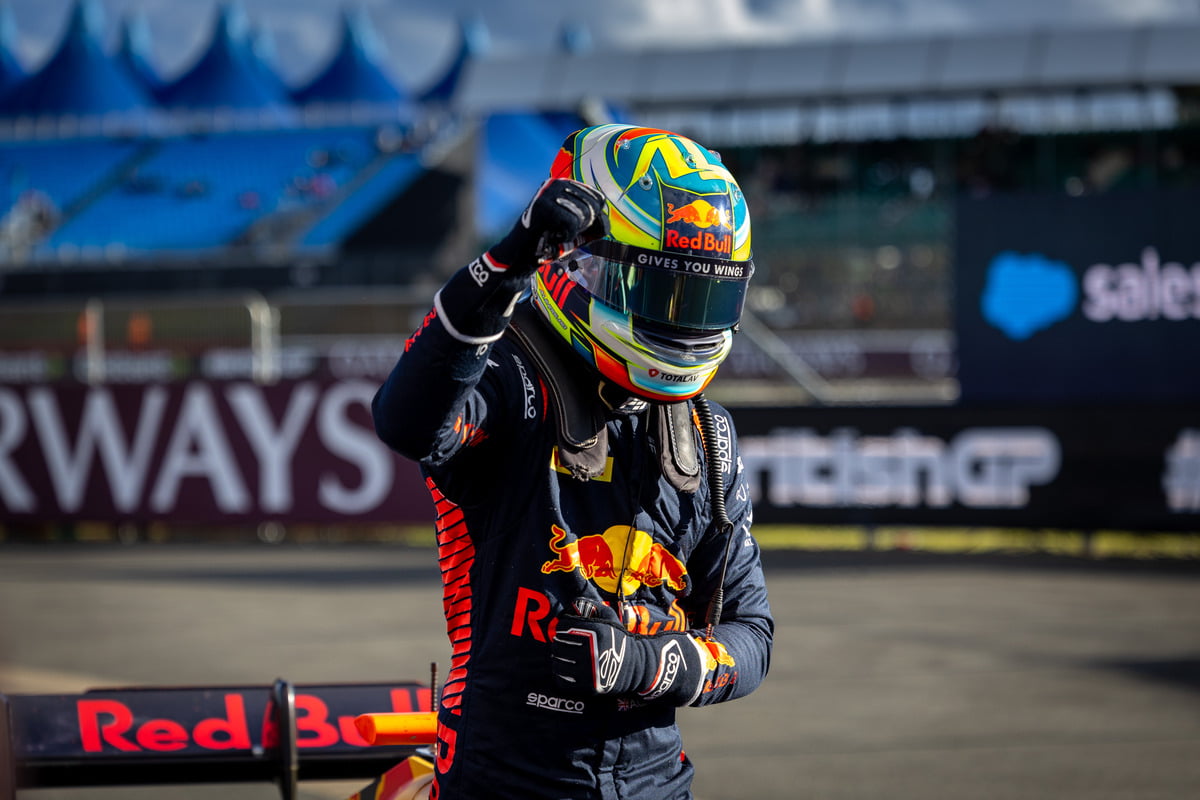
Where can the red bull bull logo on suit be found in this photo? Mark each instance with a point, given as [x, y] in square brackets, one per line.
[622, 554]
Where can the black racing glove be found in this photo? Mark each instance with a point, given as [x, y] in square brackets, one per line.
[477, 301]
[596, 654]
[563, 215]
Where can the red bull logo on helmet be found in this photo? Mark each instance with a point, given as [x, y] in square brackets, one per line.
[699, 227]
[700, 213]
[706, 243]
[622, 554]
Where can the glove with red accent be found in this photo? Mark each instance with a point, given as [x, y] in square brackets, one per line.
[477, 301]
[563, 215]
[598, 655]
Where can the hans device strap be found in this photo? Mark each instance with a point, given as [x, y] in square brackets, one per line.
[582, 433]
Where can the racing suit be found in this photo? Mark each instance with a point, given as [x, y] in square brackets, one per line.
[522, 534]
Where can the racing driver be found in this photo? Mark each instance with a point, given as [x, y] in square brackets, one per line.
[593, 524]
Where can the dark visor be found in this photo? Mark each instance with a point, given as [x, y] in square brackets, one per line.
[669, 288]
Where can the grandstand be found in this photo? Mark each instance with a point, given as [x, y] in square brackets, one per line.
[353, 191]
[216, 164]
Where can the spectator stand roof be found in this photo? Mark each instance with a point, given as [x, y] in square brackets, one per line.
[207, 170]
[842, 73]
[227, 76]
[473, 43]
[79, 78]
[133, 52]
[355, 73]
[11, 71]
[265, 57]
[516, 146]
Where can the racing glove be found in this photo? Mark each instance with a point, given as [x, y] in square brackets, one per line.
[477, 301]
[562, 215]
[596, 654]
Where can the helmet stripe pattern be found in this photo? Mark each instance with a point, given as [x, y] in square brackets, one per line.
[630, 165]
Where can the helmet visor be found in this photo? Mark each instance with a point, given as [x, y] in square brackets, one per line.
[680, 291]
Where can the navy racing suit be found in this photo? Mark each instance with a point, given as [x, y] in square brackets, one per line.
[521, 534]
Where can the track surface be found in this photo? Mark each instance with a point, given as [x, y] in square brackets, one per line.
[895, 676]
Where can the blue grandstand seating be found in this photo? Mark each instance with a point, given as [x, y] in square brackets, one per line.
[64, 171]
[188, 170]
[201, 193]
[372, 195]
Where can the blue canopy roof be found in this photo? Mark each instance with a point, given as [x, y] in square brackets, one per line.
[134, 52]
[472, 42]
[11, 71]
[227, 75]
[79, 78]
[263, 57]
[574, 37]
[513, 157]
[355, 73]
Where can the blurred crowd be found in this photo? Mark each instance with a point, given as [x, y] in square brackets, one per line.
[858, 234]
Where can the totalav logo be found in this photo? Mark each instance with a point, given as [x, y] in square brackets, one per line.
[1028, 292]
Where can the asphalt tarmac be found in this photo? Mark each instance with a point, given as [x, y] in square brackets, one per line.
[896, 676]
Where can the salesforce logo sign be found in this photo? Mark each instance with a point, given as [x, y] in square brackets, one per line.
[1028, 292]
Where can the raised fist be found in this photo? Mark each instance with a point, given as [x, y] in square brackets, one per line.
[563, 215]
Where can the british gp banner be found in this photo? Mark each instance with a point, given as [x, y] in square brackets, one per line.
[304, 451]
[1085, 300]
[1098, 469]
[201, 451]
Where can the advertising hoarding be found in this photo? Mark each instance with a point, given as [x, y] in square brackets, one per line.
[1078, 300]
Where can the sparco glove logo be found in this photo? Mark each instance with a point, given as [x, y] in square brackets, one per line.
[608, 665]
[670, 661]
[479, 271]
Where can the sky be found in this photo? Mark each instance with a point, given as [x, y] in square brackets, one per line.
[418, 37]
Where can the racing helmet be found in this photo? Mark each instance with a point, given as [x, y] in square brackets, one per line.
[653, 305]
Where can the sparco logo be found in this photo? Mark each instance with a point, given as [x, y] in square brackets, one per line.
[669, 662]
[479, 271]
[527, 386]
[979, 468]
[723, 441]
[564, 704]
